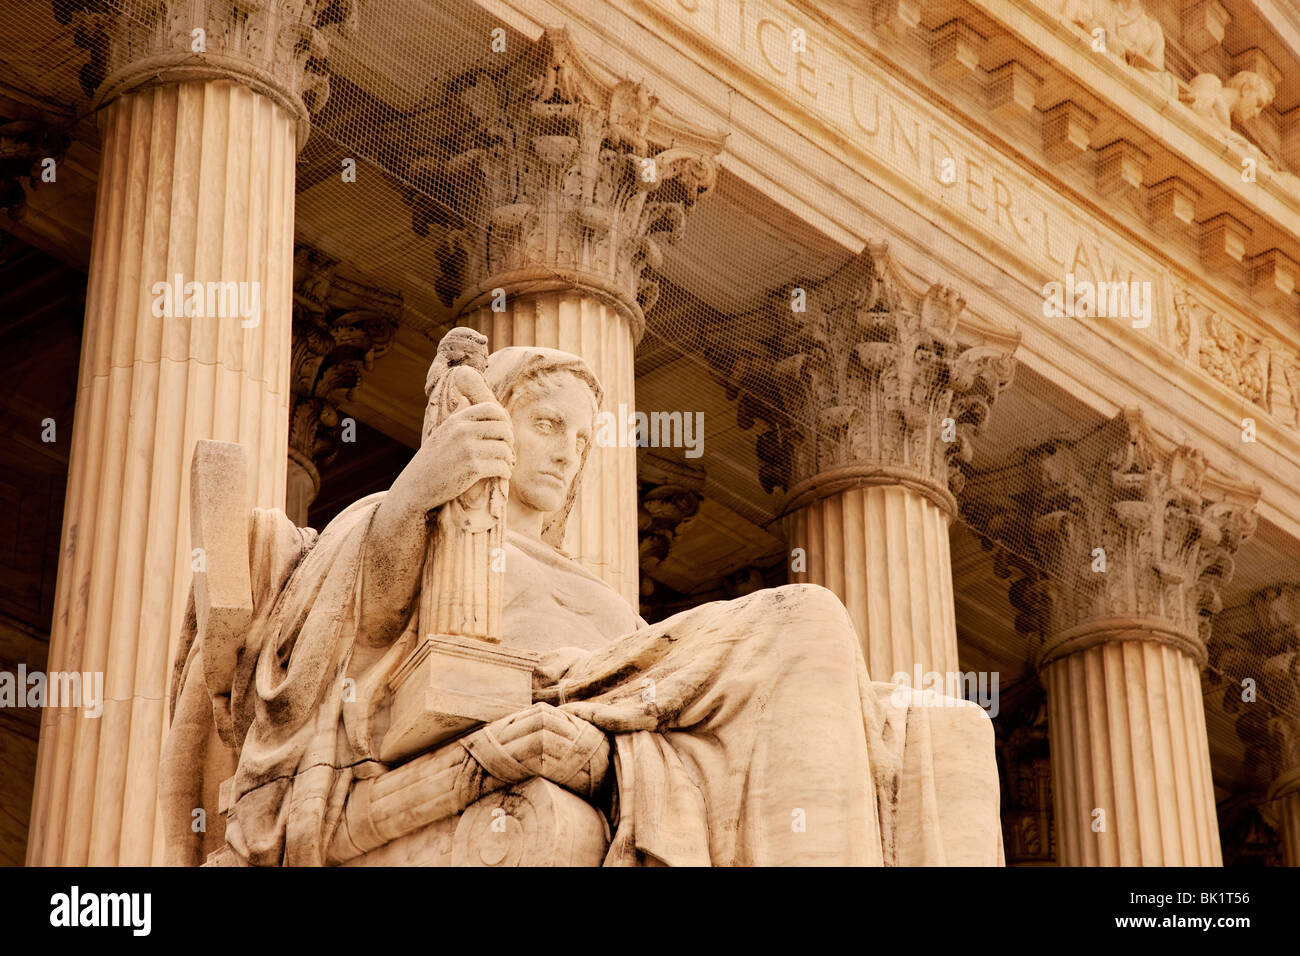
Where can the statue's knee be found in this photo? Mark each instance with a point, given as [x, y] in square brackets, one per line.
[821, 617]
[813, 602]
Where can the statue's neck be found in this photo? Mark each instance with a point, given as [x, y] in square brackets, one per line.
[522, 519]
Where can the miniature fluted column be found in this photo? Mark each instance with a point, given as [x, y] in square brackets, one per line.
[871, 403]
[187, 336]
[1122, 544]
[556, 230]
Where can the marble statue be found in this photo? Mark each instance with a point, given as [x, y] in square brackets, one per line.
[1241, 99]
[742, 732]
[1125, 25]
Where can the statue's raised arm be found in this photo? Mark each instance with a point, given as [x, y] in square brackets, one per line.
[458, 476]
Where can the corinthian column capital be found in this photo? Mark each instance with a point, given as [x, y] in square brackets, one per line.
[276, 47]
[868, 383]
[1119, 536]
[556, 177]
[339, 328]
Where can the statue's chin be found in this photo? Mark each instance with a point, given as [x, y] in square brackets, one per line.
[545, 501]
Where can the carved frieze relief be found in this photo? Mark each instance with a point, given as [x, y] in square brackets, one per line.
[1262, 371]
[1123, 26]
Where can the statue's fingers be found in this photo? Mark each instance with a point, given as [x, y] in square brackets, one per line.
[529, 722]
[526, 750]
[477, 390]
[488, 448]
[494, 466]
[562, 725]
[514, 726]
[484, 411]
[493, 429]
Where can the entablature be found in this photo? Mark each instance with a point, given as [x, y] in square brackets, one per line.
[855, 149]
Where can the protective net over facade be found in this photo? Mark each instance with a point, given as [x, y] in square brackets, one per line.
[457, 161]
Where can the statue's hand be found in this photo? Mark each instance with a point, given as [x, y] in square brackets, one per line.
[474, 443]
[541, 741]
[553, 666]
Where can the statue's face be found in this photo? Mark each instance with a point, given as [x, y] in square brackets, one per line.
[1253, 96]
[552, 422]
[1250, 105]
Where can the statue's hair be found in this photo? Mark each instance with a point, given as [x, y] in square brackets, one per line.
[520, 372]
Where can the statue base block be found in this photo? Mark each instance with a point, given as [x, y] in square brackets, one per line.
[450, 684]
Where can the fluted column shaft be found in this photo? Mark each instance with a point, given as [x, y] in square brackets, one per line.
[602, 530]
[1130, 757]
[197, 180]
[1122, 544]
[1282, 811]
[883, 550]
[872, 400]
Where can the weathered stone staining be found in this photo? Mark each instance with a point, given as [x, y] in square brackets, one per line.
[1099, 196]
[351, 761]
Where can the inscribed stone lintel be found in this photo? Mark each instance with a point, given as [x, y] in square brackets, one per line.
[447, 685]
[871, 116]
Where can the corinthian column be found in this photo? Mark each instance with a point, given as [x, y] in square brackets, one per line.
[187, 336]
[1122, 545]
[871, 401]
[550, 226]
[340, 327]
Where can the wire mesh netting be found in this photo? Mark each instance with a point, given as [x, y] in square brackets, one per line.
[442, 138]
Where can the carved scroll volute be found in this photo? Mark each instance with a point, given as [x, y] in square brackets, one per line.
[871, 382]
[1118, 526]
[462, 584]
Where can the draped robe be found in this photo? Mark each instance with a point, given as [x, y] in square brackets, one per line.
[745, 732]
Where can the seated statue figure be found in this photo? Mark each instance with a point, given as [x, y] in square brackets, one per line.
[742, 732]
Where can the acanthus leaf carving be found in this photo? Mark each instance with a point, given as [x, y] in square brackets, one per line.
[279, 47]
[555, 172]
[1117, 527]
[871, 377]
[340, 327]
[1267, 654]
